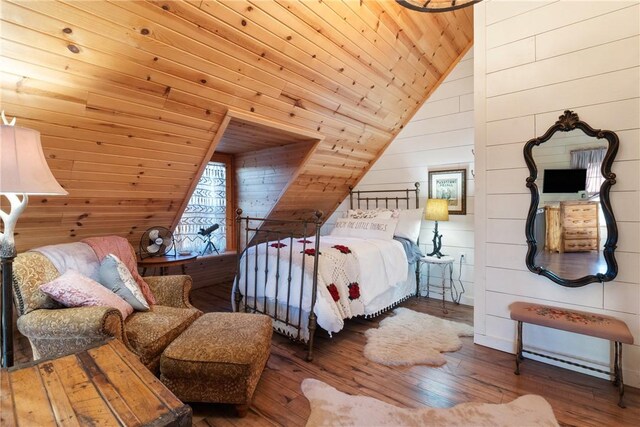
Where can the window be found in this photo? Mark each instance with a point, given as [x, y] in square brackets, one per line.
[591, 160]
[209, 205]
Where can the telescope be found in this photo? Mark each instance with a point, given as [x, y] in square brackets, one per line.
[207, 231]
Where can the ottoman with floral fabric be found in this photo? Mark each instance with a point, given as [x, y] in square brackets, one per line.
[218, 359]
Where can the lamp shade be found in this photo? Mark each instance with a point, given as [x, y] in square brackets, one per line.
[23, 167]
[437, 210]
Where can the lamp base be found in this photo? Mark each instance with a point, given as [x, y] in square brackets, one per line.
[436, 253]
[7, 255]
[7, 311]
[437, 243]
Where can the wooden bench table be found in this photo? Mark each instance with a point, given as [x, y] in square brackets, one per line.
[105, 385]
[580, 322]
[166, 261]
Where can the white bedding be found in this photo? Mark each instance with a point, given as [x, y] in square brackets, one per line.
[361, 270]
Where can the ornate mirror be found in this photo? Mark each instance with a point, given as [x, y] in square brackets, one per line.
[571, 230]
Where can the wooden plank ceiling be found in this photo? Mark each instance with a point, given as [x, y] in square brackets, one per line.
[128, 95]
[241, 136]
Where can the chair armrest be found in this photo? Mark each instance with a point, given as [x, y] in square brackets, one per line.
[172, 291]
[76, 322]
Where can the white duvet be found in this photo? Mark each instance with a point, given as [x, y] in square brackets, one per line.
[352, 272]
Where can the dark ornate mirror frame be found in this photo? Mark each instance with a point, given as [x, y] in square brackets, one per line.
[568, 122]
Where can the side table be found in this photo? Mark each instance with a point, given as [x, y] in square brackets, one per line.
[164, 262]
[445, 263]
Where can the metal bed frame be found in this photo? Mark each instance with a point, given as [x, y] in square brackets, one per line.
[406, 197]
[264, 231]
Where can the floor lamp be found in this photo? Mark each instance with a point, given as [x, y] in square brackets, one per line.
[23, 172]
[437, 210]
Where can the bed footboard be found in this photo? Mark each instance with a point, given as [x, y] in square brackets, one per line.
[274, 240]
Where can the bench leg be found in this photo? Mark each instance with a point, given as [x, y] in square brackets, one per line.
[617, 369]
[519, 357]
[616, 377]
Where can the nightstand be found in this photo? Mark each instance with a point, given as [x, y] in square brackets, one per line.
[444, 263]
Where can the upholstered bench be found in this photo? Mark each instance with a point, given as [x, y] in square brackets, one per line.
[580, 322]
[218, 359]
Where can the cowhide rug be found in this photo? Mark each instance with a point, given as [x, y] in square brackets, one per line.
[330, 407]
[410, 338]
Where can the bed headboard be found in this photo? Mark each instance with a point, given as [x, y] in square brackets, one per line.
[372, 199]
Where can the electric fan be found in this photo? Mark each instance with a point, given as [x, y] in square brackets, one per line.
[156, 241]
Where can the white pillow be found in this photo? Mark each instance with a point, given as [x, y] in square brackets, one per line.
[365, 228]
[372, 213]
[409, 222]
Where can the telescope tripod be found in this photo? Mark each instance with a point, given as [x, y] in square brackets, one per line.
[210, 247]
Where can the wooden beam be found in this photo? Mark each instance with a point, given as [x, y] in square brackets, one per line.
[200, 171]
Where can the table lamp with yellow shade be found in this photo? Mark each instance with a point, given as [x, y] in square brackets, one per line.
[23, 172]
[437, 210]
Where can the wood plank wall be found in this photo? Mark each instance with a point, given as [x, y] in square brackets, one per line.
[439, 136]
[128, 96]
[208, 270]
[532, 62]
[262, 175]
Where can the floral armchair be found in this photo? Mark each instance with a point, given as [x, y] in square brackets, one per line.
[54, 330]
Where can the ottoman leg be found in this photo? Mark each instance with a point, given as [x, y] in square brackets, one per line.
[242, 410]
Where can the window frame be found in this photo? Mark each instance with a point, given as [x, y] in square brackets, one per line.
[229, 164]
[230, 219]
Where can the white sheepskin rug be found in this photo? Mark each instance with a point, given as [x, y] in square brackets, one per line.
[330, 407]
[411, 338]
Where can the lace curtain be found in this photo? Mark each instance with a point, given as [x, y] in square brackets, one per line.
[207, 206]
[590, 159]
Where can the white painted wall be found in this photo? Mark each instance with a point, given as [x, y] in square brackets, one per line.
[440, 136]
[533, 60]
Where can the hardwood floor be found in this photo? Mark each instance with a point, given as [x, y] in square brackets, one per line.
[572, 265]
[474, 373]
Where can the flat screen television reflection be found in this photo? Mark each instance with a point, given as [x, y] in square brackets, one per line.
[564, 180]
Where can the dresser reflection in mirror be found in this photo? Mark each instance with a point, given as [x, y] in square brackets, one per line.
[572, 227]
[567, 227]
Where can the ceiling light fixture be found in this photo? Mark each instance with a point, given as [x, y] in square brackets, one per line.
[436, 5]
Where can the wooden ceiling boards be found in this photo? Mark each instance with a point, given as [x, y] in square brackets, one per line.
[129, 96]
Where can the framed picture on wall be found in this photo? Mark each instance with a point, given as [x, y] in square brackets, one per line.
[452, 186]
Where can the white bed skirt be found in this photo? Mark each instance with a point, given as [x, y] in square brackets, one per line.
[383, 302]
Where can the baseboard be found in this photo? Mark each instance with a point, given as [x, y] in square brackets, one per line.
[463, 300]
[495, 343]
[631, 378]
[466, 300]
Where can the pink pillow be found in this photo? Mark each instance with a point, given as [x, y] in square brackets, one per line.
[73, 289]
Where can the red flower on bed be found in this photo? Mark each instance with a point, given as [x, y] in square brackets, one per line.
[304, 241]
[333, 290]
[354, 291]
[311, 252]
[278, 245]
[342, 248]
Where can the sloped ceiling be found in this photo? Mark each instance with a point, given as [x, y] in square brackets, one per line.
[241, 136]
[128, 95]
